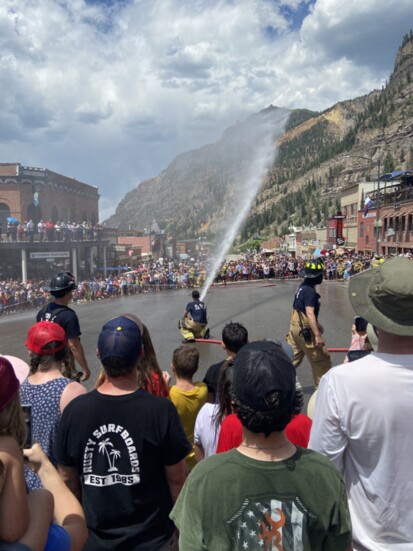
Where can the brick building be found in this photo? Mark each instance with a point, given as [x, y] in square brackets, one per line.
[38, 193]
[390, 229]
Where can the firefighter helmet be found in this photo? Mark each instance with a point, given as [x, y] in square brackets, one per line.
[313, 268]
[64, 281]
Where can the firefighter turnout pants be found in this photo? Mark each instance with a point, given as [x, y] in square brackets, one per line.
[191, 330]
[319, 358]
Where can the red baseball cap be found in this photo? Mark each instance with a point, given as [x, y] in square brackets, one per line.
[13, 371]
[43, 333]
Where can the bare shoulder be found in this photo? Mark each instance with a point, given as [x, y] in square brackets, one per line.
[72, 391]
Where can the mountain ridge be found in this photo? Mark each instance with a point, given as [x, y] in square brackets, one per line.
[194, 194]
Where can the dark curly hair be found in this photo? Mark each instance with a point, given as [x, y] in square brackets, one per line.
[278, 412]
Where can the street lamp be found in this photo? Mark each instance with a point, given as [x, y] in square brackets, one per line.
[378, 223]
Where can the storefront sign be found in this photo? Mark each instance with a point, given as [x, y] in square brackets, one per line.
[61, 254]
[339, 233]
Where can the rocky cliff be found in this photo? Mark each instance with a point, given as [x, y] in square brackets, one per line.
[316, 157]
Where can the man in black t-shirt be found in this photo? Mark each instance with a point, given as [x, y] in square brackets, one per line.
[61, 288]
[123, 451]
[234, 337]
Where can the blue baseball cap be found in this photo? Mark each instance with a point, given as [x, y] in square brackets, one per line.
[120, 338]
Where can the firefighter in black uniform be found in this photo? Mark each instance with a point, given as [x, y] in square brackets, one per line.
[61, 288]
[306, 333]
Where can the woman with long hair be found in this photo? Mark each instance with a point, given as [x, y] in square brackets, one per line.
[210, 417]
[150, 376]
[45, 390]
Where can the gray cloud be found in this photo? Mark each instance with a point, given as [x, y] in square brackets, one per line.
[110, 91]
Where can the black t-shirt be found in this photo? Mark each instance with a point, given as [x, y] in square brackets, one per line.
[63, 315]
[306, 295]
[120, 446]
[212, 375]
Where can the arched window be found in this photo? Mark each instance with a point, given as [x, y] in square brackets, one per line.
[73, 216]
[54, 215]
[4, 213]
[64, 215]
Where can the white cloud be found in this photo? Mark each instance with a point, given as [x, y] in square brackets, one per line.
[111, 91]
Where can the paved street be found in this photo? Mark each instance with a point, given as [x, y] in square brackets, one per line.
[263, 309]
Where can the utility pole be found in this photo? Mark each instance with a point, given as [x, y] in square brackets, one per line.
[378, 204]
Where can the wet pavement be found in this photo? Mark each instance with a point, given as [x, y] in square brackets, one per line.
[264, 309]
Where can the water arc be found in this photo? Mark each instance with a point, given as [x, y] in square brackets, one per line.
[271, 127]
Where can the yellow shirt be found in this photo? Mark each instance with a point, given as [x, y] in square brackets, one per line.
[188, 403]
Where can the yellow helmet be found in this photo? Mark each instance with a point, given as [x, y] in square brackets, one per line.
[313, 268]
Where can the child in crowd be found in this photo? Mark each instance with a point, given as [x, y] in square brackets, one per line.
[188, 397]
[46, 390]
[297, 430]
[359, 339]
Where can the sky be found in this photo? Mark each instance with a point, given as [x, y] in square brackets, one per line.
[110, 91]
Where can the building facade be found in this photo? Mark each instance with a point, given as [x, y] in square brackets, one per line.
[29, 193]
[352, 201]
[388, 229]
[40, 194]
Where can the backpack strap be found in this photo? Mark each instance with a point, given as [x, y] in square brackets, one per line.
[45, 315]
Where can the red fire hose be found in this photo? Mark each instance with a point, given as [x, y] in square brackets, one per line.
[217, 341]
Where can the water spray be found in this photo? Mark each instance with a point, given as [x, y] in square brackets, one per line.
[247, 189]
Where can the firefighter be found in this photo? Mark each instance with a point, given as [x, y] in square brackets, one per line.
[306, 333]
[193, 325]
[61, 288]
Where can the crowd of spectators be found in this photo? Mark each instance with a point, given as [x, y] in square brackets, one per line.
[149, 277]
[28, 231]
[337, 267]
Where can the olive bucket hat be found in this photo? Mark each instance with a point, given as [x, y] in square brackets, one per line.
[384, 296]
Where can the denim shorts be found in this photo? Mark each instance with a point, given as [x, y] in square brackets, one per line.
[58, 540]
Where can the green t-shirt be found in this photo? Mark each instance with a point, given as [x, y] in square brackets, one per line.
[232, 502]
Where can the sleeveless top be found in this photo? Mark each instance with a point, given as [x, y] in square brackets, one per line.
[45, 416]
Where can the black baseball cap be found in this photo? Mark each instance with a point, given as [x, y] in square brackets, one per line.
[262, 367]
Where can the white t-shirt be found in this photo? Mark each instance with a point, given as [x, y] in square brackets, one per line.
[363, 423]
[204, 433]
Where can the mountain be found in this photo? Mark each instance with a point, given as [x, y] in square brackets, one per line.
[318, 153]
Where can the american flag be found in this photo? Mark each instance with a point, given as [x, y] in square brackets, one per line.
[368, 203]
[270, 525]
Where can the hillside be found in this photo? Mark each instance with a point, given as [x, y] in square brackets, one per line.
[194, 195]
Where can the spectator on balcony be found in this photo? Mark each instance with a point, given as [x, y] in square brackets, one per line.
[30, 230]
